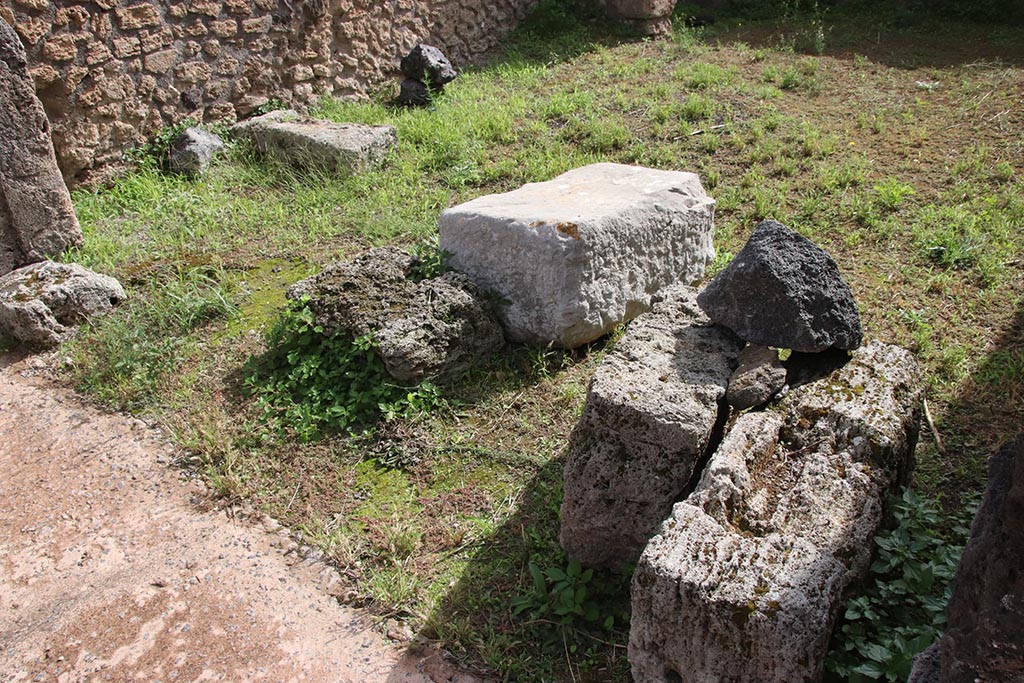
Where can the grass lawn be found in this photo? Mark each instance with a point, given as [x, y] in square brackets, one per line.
[896, 145]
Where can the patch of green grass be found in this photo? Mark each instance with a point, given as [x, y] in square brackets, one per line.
[125, 358]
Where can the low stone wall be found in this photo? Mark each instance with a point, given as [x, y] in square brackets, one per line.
[111, 72]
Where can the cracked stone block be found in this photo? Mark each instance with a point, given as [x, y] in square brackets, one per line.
[651, 411]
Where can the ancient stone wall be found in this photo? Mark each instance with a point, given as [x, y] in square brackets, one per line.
[111, 72]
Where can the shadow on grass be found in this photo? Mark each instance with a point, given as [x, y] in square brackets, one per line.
[885, 34]
[985, 414]
[502, 611]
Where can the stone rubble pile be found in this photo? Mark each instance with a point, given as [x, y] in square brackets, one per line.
[436, 328]
[746, 488]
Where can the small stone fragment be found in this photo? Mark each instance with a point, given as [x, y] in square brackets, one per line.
[193, 151]
[783, 290]
[41, 304]
[758, 378]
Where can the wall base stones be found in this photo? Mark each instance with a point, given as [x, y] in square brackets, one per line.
[112, 72]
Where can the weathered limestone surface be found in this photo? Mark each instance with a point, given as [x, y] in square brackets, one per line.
[783, 290]
[42, 303]
[582, 253]
[36, 216]
[113, 72]
[744, 580]
[431, 329]
[984, 638]
[309, 143]
[652, 407]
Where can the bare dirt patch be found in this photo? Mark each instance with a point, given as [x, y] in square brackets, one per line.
[115, 568]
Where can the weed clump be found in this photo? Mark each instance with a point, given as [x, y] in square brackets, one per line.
[309, 382]
[902, 611]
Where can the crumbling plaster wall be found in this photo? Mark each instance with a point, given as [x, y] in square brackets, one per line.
[112, 72]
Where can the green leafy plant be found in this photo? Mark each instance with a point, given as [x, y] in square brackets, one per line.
[430, 260]
[567, 600]
[156, 152]
[310, 381]
[902, 610]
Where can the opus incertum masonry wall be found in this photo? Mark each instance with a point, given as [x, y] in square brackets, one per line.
[112, 72]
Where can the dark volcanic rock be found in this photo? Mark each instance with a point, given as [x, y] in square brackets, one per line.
[984, 637]
[428, 64]
[414, 93]
[782, 290]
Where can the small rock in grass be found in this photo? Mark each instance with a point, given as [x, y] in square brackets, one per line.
[193, 151]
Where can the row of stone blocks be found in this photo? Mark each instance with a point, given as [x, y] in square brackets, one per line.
[741, 580]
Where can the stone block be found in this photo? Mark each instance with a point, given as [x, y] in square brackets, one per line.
[651, 413]
[210, 8]
[257, 24]
[160, 62]
[225, 28]
[581, 254]
[40, 219]
[137, 16]
[127, 46]
[746, 577]
[61, 48]
[193, 72]
[31, 29]
[41, 304]
[308, 143]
